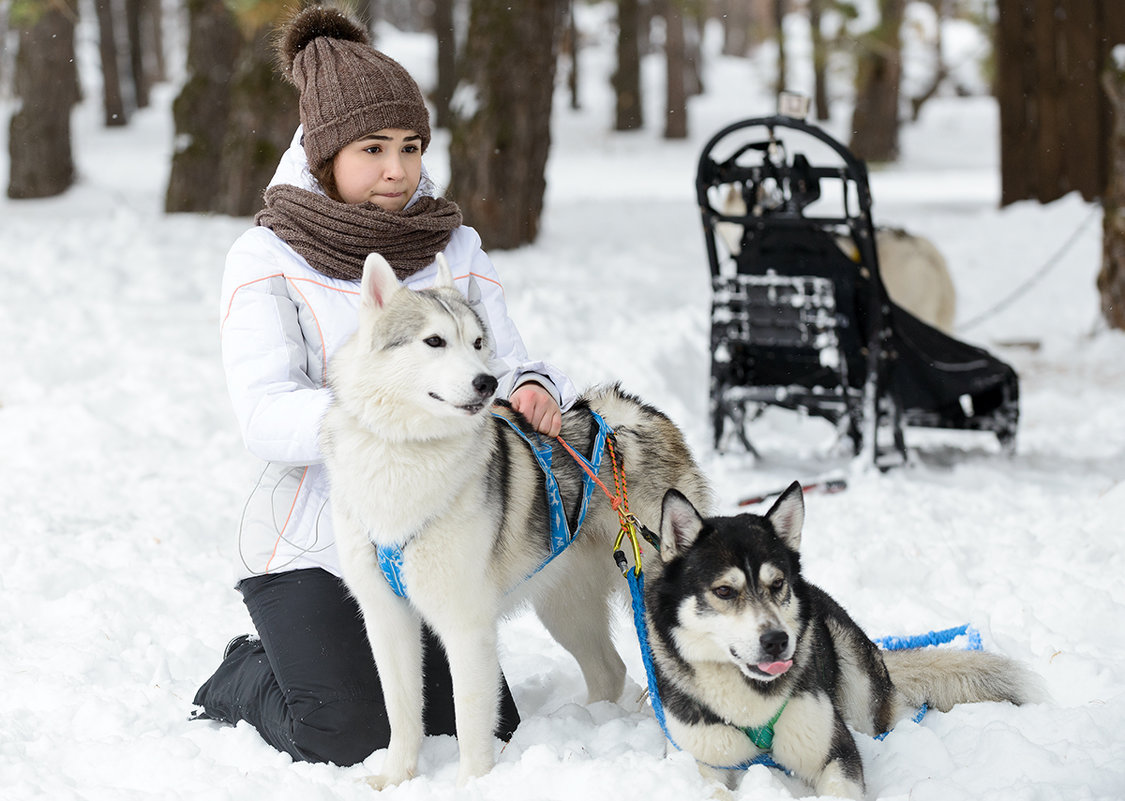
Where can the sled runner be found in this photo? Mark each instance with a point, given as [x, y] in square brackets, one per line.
[800, 317]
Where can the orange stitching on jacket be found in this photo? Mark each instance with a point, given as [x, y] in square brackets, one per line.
[239, 288]
[319, 331]
[288, 517]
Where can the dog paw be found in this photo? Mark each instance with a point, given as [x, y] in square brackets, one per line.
[719, 793]
[383, 781]
[839, 787]
[467, 773]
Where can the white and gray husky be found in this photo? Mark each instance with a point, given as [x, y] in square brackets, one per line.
[418, 462]
[738, 636]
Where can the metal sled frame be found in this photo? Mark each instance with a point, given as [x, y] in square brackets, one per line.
[797, 323]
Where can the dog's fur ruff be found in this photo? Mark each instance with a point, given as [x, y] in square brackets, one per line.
[416, 460]
[736, 632]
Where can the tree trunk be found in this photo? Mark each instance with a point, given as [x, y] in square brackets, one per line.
[152, 34]
[46, 80]
[501, 133]
[820, 60]
[6, 59]
[1111, 279]
[235, 114]
[1055, 119]
[260, 126]
[738, 19]
[627, 79]
[202, 109]
[442, 23]
[695, 23]
[782, 67]
[142, 80]
[112, 99]
[675, 59]
[571, 45]
[878, 73]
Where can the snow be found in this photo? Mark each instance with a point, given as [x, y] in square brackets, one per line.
[124, 474]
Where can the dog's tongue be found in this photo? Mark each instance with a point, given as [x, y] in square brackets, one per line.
[775, 668]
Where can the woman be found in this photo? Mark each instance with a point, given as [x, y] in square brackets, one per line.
[351, 183]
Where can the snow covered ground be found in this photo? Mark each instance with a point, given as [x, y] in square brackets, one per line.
[123, 473]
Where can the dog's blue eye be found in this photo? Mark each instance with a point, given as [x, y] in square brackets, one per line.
[434, 341]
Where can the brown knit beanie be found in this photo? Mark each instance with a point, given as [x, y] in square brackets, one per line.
[348, 89]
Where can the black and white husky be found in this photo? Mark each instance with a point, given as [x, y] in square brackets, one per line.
[419, 465]
[738, 636]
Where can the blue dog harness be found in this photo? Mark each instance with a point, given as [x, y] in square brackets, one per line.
[390, 556]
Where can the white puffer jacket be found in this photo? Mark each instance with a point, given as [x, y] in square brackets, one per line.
[281, 321]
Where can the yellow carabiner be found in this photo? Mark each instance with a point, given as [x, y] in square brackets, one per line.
[629, 528]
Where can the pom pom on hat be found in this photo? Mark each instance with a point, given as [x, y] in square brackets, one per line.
[308, 25]
[348, 89]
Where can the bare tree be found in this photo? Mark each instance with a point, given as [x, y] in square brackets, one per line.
[878, 75]
[502, 111]
[629, 113]
[235, 115]
[942, 10]
[152, 35]
[6, 58]
[737, 18]
[675, 59]
[1055, 119]
[202, 109]
[1111, 278]
[138, 47]
[263, 116]
[820, 60]
[571, 44]
[442, 23]
[41, 161]
[1062, 117]
[113, 101]
[779, 22]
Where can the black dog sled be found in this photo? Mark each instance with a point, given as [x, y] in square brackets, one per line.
[800, 318]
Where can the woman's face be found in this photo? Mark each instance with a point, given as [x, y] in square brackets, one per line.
[383, 168]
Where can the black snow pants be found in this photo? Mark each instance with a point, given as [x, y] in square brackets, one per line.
[309, 684]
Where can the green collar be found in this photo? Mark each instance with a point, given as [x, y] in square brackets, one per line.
[762, 736]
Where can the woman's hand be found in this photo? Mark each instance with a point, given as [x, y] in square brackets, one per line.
[539, 407]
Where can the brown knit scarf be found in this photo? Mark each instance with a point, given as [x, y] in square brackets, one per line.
[335, 238]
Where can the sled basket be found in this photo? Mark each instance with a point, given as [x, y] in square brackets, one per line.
[800, 317]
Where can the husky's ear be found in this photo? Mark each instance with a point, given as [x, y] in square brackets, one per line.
[788, 515]
[680, 524]
[379, 282]
[444, 275]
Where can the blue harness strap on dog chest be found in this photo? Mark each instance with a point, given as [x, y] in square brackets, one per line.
[560, 533]
[390, 556]
[390, 561]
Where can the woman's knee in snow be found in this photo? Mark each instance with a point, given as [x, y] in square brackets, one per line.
[342, 732]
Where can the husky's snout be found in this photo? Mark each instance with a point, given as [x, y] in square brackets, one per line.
[774, 642]
[485, 384]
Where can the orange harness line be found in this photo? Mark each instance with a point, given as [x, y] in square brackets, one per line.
[619, 502]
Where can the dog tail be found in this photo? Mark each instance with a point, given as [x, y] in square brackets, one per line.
[942, 677]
